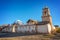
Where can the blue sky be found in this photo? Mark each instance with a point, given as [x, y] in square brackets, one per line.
[12, 10]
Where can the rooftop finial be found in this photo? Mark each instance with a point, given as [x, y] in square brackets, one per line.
[45, 7]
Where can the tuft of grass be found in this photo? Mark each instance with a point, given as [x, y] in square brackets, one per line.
[58, 30]
[48, 35]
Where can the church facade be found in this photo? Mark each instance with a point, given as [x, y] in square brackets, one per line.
[33, 26]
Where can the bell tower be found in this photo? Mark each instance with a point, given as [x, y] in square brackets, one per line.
[46, 15]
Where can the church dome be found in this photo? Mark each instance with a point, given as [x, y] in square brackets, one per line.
[19, 22]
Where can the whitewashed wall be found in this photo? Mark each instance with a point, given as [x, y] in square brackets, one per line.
[7, 29]
[26, 28]
[49, 28]
[30, 28]
[4, 30]
[44, 28]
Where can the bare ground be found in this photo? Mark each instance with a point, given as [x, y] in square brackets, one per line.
[18, 36]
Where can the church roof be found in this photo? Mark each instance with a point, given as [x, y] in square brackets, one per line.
[38, 22]
[31, 20]
[42, 23]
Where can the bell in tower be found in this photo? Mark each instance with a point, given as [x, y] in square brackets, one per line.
[46, 11]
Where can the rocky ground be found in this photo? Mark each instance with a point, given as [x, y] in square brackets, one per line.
[18, 36]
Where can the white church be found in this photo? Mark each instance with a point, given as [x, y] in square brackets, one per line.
[33, 26]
